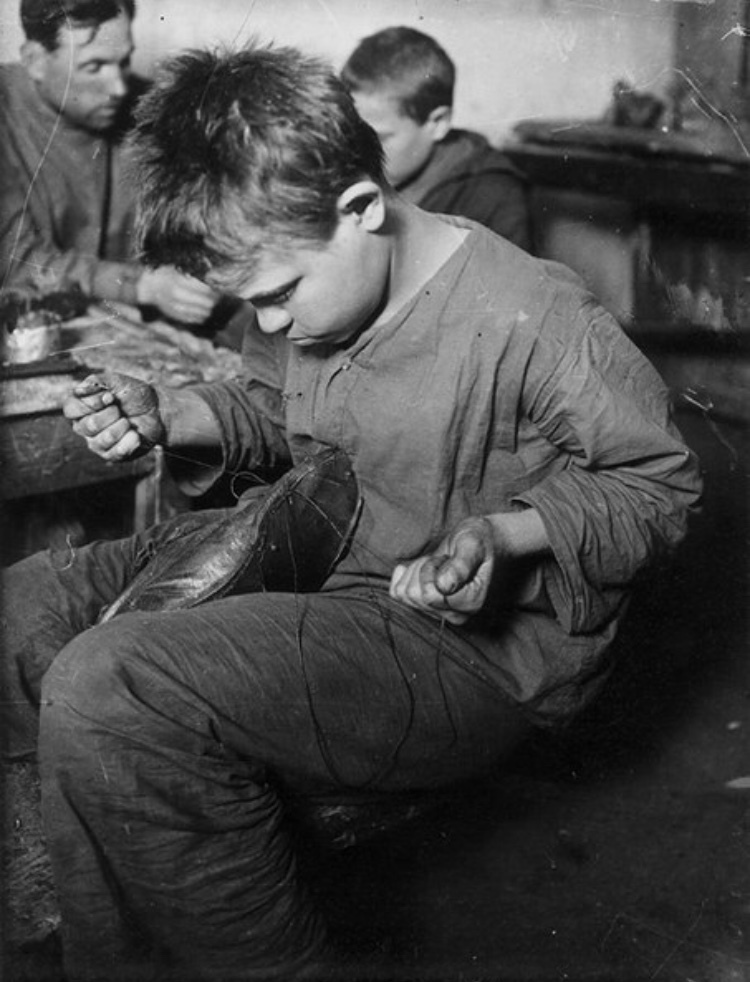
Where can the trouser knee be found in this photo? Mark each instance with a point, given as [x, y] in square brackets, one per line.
[86, 702]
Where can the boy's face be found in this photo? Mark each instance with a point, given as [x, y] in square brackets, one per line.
[322, 294]
[86, 78]
[407, 144]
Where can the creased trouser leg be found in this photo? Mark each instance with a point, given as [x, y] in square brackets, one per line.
[162, 738]
[45, 601]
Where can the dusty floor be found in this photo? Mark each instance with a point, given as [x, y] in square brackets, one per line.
[620, 851]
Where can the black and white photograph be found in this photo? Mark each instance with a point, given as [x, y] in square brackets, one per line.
[374, 455]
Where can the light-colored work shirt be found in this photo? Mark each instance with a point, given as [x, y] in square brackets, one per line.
[502, 384]
[66, 211]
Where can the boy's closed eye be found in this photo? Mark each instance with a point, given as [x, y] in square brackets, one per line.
[275, 297]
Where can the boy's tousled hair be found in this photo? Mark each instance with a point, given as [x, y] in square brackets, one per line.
[406, 64]
[236, 151]
[42, 20]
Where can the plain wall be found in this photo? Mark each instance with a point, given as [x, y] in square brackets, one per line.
[515, 58]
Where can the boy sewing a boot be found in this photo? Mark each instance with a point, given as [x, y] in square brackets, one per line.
[517, 470]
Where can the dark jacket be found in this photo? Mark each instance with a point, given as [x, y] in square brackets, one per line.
[467, 176]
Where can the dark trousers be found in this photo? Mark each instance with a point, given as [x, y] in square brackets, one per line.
[165, 740]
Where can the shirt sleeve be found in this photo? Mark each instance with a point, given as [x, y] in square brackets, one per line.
[31, 259]
[250, 412]
[631, 483]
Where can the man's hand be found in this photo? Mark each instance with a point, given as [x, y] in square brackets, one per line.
[454, 580]
[118, 416]
[177, 295]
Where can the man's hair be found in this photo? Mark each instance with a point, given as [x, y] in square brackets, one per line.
[406, 64]
[42, 20]
[237, 152]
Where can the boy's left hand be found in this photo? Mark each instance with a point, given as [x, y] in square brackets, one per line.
[454, 580]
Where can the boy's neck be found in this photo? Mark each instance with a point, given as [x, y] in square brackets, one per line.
[421, 245]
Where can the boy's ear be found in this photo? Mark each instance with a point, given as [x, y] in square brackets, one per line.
[34, 59]
[365, 200]
[440, 121]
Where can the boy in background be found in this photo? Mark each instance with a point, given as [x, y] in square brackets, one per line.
[402, 82]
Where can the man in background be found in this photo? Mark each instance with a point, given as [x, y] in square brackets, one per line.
[66, 208]
[402, 82]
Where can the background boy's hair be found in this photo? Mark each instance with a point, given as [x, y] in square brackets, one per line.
[42, 19]
[237, 152]
[406, 64]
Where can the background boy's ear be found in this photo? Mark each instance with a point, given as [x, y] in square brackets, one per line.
[364, 199]
[440, 121]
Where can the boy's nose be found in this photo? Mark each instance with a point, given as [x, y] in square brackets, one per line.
[273, 319]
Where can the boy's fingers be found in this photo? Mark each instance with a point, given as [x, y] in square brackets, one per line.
[89, 386]
[447, 573]
[126, 446]
[88, 396]
[454, 571]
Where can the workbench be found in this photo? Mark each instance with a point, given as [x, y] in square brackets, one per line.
[658, 226]
[40, 455]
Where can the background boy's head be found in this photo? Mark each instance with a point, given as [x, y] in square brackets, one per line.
[77, 52]
[402, 82]
[240, 153]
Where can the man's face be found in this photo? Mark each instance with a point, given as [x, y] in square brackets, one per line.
[322, 294]
[86, 77]
[407, 144]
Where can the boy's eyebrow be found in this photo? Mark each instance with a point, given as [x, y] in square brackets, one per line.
[269, 296]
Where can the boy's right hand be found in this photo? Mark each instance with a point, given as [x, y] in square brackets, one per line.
[118, 416]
